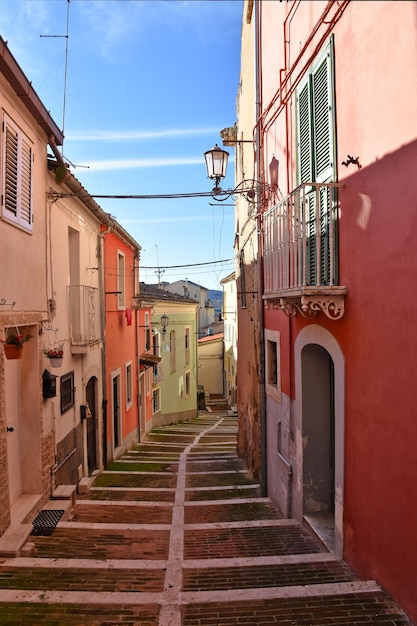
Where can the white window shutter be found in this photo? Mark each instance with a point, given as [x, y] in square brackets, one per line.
[17, 176]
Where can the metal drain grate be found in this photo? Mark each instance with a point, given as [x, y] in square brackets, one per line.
[45, 522]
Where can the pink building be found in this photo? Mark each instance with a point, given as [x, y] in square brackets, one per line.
[329, 425]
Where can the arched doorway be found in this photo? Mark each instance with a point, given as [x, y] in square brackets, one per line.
[318, 432]
[91, 395]
[319, 425]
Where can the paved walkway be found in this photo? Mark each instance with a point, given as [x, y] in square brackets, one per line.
[176, 534]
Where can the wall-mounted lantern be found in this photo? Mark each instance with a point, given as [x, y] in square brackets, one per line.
[164, 323]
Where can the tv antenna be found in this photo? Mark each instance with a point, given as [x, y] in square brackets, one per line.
[66, 37]
[159, 273]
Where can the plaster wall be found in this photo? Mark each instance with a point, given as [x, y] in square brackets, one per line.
[21, 249]
[376, 118]
[121, 342]
[173, 396]
[210, 365]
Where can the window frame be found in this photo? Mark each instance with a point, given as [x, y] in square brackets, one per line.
[187, 345]
[129, 384]
[172, 349]
[156, 401]
[273, 364]
[187, 384]
[64, 381]
[121, 286]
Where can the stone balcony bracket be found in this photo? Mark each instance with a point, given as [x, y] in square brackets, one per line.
[309, 305]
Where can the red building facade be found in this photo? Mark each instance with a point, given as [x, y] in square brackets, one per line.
[334, 129]
[121, 287]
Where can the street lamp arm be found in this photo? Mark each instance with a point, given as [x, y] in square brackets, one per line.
[248, 188]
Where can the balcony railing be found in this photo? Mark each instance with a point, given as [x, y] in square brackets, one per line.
[84, 306]
[300, 251]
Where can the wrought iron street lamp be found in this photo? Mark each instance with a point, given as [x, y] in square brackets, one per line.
[216, 164]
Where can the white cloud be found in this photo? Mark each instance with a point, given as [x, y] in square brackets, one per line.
[131, 164]
[135, 135]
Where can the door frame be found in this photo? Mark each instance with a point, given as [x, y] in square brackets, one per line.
[315, 334]
[91, 428]
[116, 421]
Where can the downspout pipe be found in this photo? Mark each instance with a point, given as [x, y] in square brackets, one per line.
[101, 244]
[261, 341]
[57, 154]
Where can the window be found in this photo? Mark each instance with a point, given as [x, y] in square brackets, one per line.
[67, 391]
[129, 385]
[156, 401]
[147, 333]
[187, 384]
[316, 158]
[17, 176]
[187, 345]
[272, 364]
[121, 279]
[155, 345]
[272, 369]
[172, 350]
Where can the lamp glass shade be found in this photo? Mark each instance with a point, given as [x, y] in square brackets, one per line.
[164, 321]
[216, 162]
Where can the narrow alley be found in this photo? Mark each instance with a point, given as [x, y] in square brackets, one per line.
[175, 533]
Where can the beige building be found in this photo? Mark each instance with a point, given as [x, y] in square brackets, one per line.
[188, 289]
[230, 338]
[50, 290]
[174, 340]
[27, 431]
[250, 396]
[210, 364]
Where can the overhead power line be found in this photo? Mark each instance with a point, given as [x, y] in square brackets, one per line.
[168, 267]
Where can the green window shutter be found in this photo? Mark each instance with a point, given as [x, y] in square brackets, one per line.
[315, 160]
[305, 169]
[322, 120]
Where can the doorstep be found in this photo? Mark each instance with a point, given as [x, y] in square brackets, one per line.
[15, 537]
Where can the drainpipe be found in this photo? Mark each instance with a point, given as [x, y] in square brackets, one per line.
[103, 338]
[261, 343]
[57, 154]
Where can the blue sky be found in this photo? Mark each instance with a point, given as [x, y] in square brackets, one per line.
[148, 86]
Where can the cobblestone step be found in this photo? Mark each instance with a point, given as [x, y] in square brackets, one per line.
[101, 544]
[341, 610]
[178, 535]
[281, 575]
[82, 579]
[143, 514]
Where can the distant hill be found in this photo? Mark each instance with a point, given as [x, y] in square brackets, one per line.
[216, 300]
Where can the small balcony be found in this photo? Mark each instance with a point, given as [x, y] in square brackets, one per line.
[300, 253]
[84, 307]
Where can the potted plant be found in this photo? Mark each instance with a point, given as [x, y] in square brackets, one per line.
[61, 174]
[55, 355]
[13, 344]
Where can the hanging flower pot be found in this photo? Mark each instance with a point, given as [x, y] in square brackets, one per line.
[12, 351]
[13, 344]
[61, 174]
[55, 355]
[55, 361]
